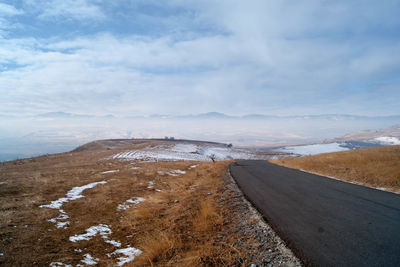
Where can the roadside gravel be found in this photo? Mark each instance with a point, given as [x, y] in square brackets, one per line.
[262, 245]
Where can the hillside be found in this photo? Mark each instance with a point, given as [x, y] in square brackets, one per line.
[148, 203]
[370, 134]
[375, 167]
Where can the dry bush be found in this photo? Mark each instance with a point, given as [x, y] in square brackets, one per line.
[158, 246]
[376, 167]
[207, 217]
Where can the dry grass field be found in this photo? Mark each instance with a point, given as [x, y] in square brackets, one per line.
[173, 212]
[376, 167]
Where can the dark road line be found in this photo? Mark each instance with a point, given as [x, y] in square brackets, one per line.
[324, 221]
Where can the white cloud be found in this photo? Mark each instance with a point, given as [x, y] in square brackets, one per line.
[263, 58]
[67, 9]
[9, 10]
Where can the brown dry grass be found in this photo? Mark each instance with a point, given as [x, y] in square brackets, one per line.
[375, 167]
[178, 226]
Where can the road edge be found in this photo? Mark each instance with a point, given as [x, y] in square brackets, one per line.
[267, 230]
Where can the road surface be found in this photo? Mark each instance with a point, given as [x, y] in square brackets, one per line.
[324, 221]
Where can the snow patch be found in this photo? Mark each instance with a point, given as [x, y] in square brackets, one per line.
[59, 264]
[2, 182]
[129, 203]
[135, 168]
[114, 243]
[73, 194]
[176, 172]
[62, 224]
[89, 260]
[388, 140]
[150, 185]
[185, 148]
[111, 171]
[313, 149]
[171, 173]
[102, 229]
[129, 254]
[193, 166]
[185, 152]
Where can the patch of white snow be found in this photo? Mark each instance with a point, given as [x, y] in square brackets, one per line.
[112, 171]
[314, 149]
[185, 148]
[62, 224]
[194, 166]
[59, 264]
[388, 140]
[102, 229]
[129, 254]
[73, 194]
[176, 172]
[114, 243]
[89, 260]
[129, 203]
[150, 185]
[186, 152]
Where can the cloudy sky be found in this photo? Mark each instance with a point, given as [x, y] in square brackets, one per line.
[138, 57]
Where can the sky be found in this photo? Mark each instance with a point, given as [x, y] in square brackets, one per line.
[142, 57]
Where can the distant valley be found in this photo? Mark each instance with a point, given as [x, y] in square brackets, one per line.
[55, 132]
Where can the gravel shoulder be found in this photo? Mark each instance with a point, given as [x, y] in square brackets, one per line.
[264, 246]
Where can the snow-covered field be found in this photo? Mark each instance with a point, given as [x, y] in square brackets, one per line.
[313, 149]
[187, 152]
[387, 140]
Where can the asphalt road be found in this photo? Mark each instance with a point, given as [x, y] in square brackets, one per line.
[324, 221]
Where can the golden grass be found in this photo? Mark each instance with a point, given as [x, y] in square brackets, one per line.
[375, 167]
[183, 223]
[178, 226]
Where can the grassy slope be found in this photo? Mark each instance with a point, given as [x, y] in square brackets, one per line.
[180, 226]
[376, 167]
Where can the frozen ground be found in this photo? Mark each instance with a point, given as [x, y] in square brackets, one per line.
[186, 152]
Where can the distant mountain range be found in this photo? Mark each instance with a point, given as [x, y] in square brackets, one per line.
[218, 115]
